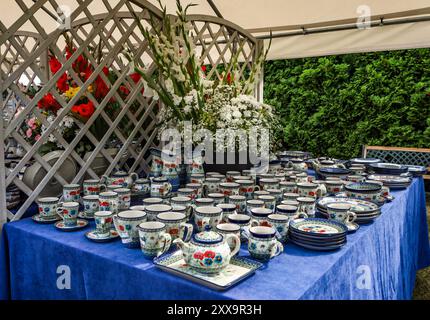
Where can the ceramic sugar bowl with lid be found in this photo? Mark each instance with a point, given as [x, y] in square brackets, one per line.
[208, 251]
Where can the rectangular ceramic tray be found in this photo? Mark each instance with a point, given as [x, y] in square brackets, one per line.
[239, 269]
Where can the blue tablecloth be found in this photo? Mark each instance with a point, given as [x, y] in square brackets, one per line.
[387, 253]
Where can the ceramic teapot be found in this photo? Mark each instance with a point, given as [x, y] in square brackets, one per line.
[208, 251]
[326, 163]
[121, 179]
[298, 164]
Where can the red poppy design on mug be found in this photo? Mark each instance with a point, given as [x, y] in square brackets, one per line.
[104, 204]
[209, 254]
[174, 231]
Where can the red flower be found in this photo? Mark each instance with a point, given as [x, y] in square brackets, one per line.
[198, 255]
[204, 68]
[62, 83]
[48, 103]
[54, 64]
[229, 78]
[209, 254]
[135, 77]
[101, 89]
[84, 110]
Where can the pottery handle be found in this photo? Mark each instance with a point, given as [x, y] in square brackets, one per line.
[186, 231]
[102, 187]
[276, 249]
[167, 241]
[236, 240]
[303, 215]
[134, 176]
[254, 223]
[351, 216]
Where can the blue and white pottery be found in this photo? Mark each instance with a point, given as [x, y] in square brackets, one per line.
[91, 205]
[126, 223]
[288, 186]
[269, 184]
[364, 161]
[230, 174]
[71, 192]
[203, 202]
[207, 216]
[61, 225]
[187, 192]
[142, 186]
[124, 198]
[197, 190]
[259, 216]
[48, 207]
[307, 206]
[388, 168]
[211, 185]
[104, 223]
[269, 201]
[229, 188]
[94, 235]
[242, 220]
[92, 187]
[247, 188]
[262, 243]
[280, 223]
[154, 239]
[153, 210]
[176, 225]
[341, 212]
[208, 251]
[229, 228]
[260, 193]
[182, 201]
[290, 196]
[364, 190]
[121, 179]
[287, 210]
[69, 212]
[277, 193]
[239, 201]
[197, 178]
[156, 162]
[253, 203]
[108, 201]
[217, 198]
[150, 201]
[160, 187]
[45, 220]
[227, 210]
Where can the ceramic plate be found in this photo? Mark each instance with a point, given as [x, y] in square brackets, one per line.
[80, 224]
[317, 226]
[94, 236]
[316, 248]
[352, 227]
[388, 168]
[417, 170]
[38, 218]
[364, 160]
[239, 269]
[389, 179]
[318, 241]
[358, 205]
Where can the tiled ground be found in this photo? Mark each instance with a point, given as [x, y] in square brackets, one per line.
[422, 284]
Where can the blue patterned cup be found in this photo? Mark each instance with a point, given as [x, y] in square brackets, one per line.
[262, 243]
[69, 212]
[154, 238]
[47, 206]
[239, 201]
[91, 205]
[104, 222]
[279, 222]
[124, 198]
[126, 223]
[71, 192]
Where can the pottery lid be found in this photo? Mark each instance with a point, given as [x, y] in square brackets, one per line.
[207, 236]
[159, 179]
[119, 174]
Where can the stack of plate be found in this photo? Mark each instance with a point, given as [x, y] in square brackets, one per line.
[333, 172]
[392, 181]
[388, 168]
[417, 171]
[317, 234]
[366, 211]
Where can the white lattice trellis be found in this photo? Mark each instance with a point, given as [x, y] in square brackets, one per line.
[129, 122]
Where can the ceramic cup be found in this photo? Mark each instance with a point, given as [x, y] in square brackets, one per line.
[277, 193]
[307, 205]
[288, 186]
[229, 188]
[124, 198]
[71, 192]
[260, 193]
[203, 202]
[160, 187]
[126, 223]
[154, 238]
[108, 201]
[103, 220]
[247, 187]
[142, 186]
[217, 198]
[290, 196]
[287, 210]
[91, 205]
[150, 201]
[197, 178]
[239, 201]
[48, 206]
[112, 187]
[262, 243]
[227, 210]
[334, 186]
[259, 216]
[253, 203]
[280, 223]
[242, 220]
[69, 212]
[197, 190]
[230, 174]
[290, 202]
[182, 201]
[207, 216]
[340, 211]
[229, 228]
[154, 209]
[355, 178]
[180, 209]
[92, 187]
[176, 225]
[269, 201]
[309, 189]
[269, 183]
[138, 208]
[302, 177]
[211, 185]
[186, 192]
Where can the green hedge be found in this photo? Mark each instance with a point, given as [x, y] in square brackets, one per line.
[333, 105]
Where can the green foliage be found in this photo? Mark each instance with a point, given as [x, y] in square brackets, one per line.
[333, 105]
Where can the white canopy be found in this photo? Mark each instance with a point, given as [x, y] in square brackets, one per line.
[405, 24]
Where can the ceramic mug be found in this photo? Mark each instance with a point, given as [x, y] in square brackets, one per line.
[150, 201]
[217, 198]
[91, 205]
[197, 178]
[259, 216]
[93, 187]
[69, 212]
[280, 223]
[269, 201]
[108, 201]
[239, 201]
[242, 220]
[187, 192]
[230, 174]
[253, 203]
[260, 193]
[290, 203]
[207, 216]
[203, 202]
[124, 198]
[309, 189]
[211, 185]
[197, 189]
[288, 186]
[229, 188]
[154, 238]
[247, 187]
[290, 196]
[71, 192]
[138, 208]
[142, 186]
[262, 243]
[269, 184]
[227, 210]
[334, 186]
[277, 193]
[340, 211]
[160, 187]
[103, 220]
[154, 209]
[126, 223]
[307, 206]
[182, 201]
[176, 225]
[229, 228]
[48, 206]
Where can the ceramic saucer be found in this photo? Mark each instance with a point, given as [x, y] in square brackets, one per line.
[83, 215]
[94, 236]
[80, 224]
[352, 227]
[39, 219]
